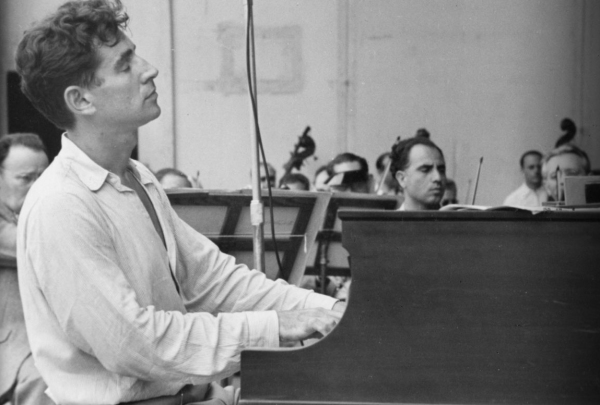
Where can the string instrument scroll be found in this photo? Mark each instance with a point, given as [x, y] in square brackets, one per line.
[303, 149]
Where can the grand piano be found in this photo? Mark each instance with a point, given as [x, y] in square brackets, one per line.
[453, 308]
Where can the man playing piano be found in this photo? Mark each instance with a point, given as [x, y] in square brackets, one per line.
[123, 301]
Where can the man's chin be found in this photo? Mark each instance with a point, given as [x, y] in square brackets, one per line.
[434, 203]
[158, 112]
[153, 116]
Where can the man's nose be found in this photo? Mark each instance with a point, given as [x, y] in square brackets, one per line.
[150, 72]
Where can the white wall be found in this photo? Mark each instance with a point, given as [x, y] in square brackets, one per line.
[212, 125]
[488, 78]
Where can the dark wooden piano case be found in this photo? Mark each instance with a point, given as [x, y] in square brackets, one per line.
[453, 308]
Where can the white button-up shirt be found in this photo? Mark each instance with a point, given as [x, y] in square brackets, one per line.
[105, 321]
[526, 197]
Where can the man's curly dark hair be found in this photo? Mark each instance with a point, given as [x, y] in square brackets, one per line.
[60, 51]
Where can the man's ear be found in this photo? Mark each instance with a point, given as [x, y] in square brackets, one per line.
[401, 177]
[79, 100]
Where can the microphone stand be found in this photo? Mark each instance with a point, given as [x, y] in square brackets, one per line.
[256, 206]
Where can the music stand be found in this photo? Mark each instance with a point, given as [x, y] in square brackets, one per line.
[328, 257]
[224, 217]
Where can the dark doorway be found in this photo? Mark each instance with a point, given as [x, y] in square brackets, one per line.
[23, 117]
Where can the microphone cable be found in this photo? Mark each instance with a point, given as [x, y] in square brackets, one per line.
[252, 91]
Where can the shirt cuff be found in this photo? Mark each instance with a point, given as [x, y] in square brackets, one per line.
[316, 300]
[263, 329]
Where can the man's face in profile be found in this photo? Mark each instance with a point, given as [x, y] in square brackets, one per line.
[532, 171]
[124, 95]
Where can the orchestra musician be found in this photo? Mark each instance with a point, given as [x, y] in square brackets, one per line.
[566, 160]
[270, 178]
[320, 179]
[419, 166]
[123, 301]
[531, 193]
[450, 194]
[22, 160]
[349, 173]
[172, 178]
[294, 181]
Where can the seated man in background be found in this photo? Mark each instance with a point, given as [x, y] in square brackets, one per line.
[294, 181]
[124, 301]
[320, 179]
[349, 173]
[531, 193]
[566, 160]
[173, 178]
[22, 160]
[265, 180]
[270, 177]
[450, 194]
[419, 166]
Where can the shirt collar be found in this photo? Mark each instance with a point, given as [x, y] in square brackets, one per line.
[91, 173]
[142, 175]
